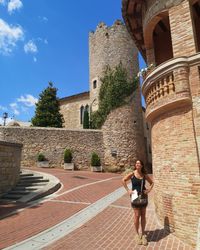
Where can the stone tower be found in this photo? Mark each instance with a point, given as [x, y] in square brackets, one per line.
[109, 46]
[123, 134]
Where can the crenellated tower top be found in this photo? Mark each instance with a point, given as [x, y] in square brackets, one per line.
[109, 45]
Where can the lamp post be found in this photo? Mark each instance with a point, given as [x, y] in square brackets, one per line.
[5, 116]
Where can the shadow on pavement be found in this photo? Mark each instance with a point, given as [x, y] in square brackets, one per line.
[157, 235]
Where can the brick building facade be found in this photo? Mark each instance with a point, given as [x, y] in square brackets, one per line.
[167, 34]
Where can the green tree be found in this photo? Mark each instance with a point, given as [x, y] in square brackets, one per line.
[47, 109]
[86, 121]
[115, 87]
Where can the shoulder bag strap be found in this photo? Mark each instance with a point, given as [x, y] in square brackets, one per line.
[142, 184]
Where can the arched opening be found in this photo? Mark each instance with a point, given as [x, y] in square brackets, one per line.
[162, 41]
[196, 23]
[81, 114]
[94, 84]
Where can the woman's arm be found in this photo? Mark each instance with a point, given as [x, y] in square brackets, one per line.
[124, 182]
[150, 182]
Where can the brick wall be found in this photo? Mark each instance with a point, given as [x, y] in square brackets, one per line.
[182, 30]
[176, 168]
[10, 156]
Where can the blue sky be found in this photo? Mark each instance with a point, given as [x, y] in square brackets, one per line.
[46, 40]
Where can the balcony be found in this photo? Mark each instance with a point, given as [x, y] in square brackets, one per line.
[168, 86]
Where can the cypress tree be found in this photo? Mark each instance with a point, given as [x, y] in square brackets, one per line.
[86, 121]
[47, 109]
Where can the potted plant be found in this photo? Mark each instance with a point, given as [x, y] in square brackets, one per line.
[68, 164]
[95, 163]
[42, 161]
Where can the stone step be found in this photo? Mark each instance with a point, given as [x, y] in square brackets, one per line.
[33, 181]
[11, 196]
[22, 188]
[29, 184]
[24, 175]
[31, 178]
[20, 192]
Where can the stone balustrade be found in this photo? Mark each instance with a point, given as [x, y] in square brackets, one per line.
[167, 86]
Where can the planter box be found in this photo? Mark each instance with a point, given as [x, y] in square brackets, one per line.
[96, 168]
[43, 164]
[69, 166]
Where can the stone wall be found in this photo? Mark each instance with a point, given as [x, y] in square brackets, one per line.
[123, 135]
[10, 156]
[109, 46]
[52, 142]
[70, 109]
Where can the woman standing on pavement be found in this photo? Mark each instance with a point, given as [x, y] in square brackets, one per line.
[138, 177]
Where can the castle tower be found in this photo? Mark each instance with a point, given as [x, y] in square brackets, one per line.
[123, 134]
[109, 46]
[167, 33]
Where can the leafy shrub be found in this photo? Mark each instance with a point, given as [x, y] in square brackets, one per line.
[67, 155]
[95, 160]
[41, 157]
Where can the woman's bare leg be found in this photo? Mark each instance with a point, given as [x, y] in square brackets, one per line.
[143, 219]
[143, 224]
[137, 214]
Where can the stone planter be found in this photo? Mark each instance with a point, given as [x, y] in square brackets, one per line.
[96, 168]
[43, 164]
[69, 166]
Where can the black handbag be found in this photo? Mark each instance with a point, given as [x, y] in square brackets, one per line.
[142, 199]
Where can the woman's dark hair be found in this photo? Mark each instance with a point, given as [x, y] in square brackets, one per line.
[143, 170]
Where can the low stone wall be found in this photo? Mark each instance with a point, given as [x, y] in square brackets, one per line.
[10, 156]
[52, 143]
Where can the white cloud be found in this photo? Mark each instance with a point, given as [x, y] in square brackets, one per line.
[28, 100]
[45, 41]
[14, 5]
[15, 108]
[34, 59]
[3, 2]
[3, 108]
[30, 47]
[43, 19]
[9, 36]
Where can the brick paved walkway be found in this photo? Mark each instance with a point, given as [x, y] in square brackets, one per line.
[110, 229]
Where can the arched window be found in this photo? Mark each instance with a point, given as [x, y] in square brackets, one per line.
[94, 84]
[81, 114]
[196, 22]
[162, 41]
[87, 108]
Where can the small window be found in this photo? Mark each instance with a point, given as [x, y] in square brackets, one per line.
[94, 84]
